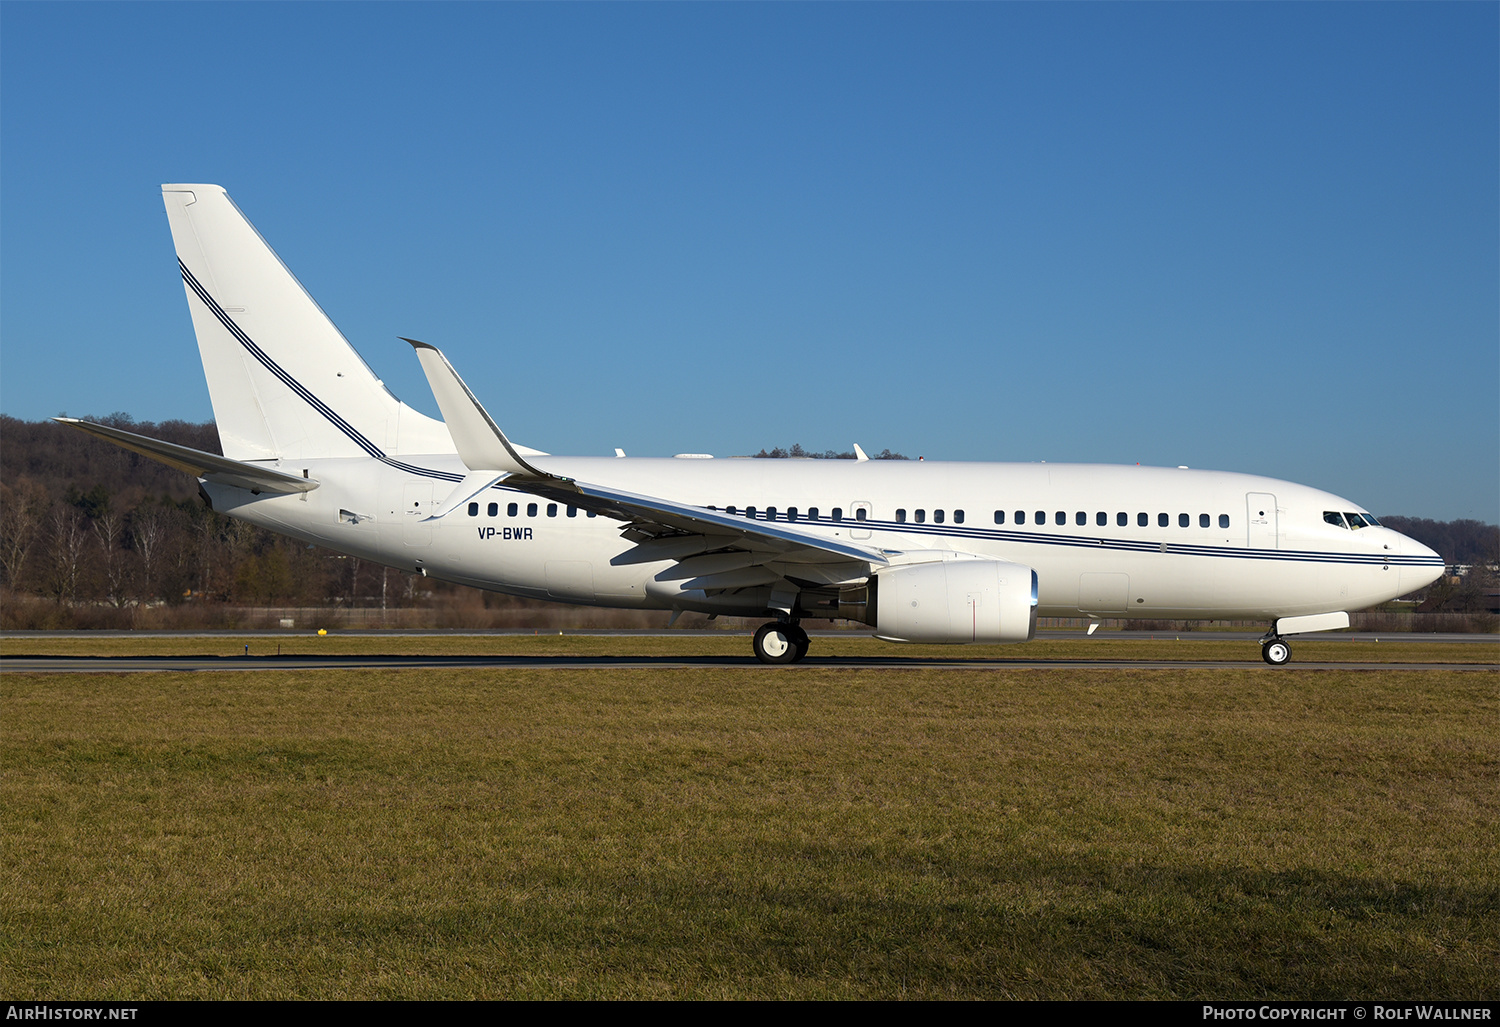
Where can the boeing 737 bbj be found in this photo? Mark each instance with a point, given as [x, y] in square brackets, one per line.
[317, 448]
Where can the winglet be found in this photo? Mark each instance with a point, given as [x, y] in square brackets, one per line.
[859, 454]
[481, 444]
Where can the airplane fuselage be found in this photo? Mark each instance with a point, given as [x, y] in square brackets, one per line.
[1106, 541]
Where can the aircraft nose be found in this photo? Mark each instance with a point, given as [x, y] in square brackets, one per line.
[1418, 575]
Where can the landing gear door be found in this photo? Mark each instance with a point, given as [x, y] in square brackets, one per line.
[1260, 515]
[859, 512]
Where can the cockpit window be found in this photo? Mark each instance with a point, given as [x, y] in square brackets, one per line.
[1353, 521]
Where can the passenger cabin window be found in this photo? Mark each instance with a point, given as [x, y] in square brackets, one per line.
[1020, 516]
[732, 511]
[937, 517]
[861, 514]
[1081, 518]
[1162, 520]
[812, 513]
[1041, 517]
[999, 516]
[1062, 517]
[770, 513]
[921, 516]
[1203, 521]
[1183, 520]
[1223, 520]
[1122, 519]
[1101, 518]
[551, 509]
[493, 510]
[901, 516]
[530, 509]
[1142, 520]
[510, 510]
[750, 512]
[958, 516]
[791, 513]
[572, 511]
[838, 513]
[473, 509]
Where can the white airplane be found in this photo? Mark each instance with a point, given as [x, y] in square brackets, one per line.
[317, 448]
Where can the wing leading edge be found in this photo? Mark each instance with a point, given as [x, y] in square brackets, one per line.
[663, 528]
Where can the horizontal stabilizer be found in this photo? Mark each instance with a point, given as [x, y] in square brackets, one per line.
[208, 466]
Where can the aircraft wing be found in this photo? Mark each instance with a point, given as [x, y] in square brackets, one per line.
[208, 466]
[650, 518]
[660, 526]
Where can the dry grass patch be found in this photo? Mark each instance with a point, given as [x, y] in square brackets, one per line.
[695, 833]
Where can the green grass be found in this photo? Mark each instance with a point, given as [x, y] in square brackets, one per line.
[1059, 833]
[1104, 647]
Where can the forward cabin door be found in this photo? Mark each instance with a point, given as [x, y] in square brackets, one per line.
[1260, 515]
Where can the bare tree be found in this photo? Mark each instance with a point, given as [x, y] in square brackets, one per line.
[148, 530]
[109, 527]
[69, 540]
[22, 508]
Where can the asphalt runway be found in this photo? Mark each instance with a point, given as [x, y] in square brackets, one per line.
[1042, 635]
[201, 664]
[22, 663]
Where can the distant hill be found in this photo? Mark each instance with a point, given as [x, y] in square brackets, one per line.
[1459, 542]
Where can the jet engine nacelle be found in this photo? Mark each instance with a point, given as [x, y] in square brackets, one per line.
[956, 601]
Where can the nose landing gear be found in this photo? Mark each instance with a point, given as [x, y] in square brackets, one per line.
[780, 642]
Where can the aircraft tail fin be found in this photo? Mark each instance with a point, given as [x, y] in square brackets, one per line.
[284, 381]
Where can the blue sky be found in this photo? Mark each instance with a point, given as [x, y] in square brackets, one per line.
[1250, 237]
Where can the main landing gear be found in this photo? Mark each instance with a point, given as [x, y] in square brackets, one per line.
[1275, 651]
[780, 642]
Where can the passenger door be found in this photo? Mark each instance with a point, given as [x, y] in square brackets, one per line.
[1260, 515]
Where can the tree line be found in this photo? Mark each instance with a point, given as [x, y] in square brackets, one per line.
[798, 453]
[84, 521]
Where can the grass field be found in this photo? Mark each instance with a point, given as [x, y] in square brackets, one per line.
[1060, 833]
